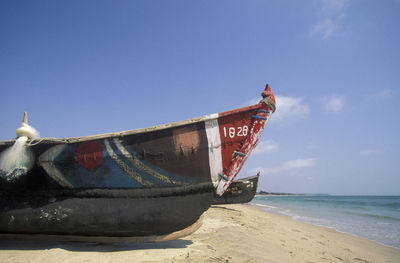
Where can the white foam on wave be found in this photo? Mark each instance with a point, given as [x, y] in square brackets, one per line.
[265, 206]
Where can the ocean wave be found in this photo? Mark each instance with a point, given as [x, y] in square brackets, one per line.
[392, 205]
[374, 216]
[266, 206]
[356, 202]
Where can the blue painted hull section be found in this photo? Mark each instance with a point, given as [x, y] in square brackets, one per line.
[121, 167]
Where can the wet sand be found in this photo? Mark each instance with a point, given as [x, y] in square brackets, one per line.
[230, 233]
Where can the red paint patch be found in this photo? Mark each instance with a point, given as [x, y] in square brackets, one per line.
[90, 154]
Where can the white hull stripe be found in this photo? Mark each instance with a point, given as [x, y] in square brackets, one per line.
[214, 148]
[124, 166]
[47, 159]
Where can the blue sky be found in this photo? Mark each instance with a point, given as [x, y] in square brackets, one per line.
[87, 67]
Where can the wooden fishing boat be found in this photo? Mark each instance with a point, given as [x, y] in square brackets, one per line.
[144, 184]
[239, 192]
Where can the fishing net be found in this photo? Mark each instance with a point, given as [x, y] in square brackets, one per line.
[18, 159]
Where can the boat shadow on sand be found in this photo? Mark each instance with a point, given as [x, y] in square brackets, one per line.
[91, 247]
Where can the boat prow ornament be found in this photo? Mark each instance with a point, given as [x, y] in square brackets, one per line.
[26, 130]
[148, 183]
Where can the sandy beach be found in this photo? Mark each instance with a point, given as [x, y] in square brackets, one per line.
[230, 233]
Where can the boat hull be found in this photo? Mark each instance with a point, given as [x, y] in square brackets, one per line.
[139, 183]
[109, 213]
[239, 192]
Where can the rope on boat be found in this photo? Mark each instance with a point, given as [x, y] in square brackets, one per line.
[31, 143]
[240, 153]
[259, 117]
[223, 176]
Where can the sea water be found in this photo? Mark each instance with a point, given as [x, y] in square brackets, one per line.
[376, 218]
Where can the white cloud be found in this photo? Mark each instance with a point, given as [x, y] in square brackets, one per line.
[288, 109]
[265, 147]
[289, 167]
[325, 28]
[332, 6]
[386, 93]
[331, 14]
[370, 152]
[334, 103]
[380, 95]
[298, 164]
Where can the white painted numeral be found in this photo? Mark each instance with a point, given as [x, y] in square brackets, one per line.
[240, 131]
[232, 132]
[245, 130]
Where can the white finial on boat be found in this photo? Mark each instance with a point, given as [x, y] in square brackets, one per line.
[25, 118]
[26, 130]
[18, 159]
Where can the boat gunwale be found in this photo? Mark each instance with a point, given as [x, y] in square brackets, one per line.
[126, 193]
[250, 178]
[67, 140]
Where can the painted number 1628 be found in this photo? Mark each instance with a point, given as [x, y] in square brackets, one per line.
[232, 132]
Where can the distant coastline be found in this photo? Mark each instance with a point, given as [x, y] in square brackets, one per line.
[263, 193]
[275, 194]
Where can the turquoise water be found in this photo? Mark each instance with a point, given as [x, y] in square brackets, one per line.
[376, 218]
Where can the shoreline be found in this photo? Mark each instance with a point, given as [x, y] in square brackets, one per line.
[230, 233]
[260, 207]
[302, 241]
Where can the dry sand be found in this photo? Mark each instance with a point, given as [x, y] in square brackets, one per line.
[230, 233]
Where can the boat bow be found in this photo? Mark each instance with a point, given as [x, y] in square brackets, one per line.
[240, 132]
